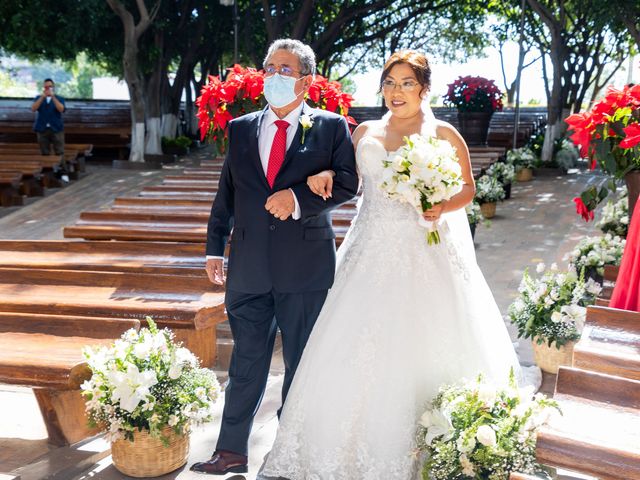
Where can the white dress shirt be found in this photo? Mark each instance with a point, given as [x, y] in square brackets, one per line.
[266, 135]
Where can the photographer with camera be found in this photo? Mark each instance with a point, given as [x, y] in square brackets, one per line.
[49, 125]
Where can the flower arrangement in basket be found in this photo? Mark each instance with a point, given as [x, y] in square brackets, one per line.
[551, 310]
[147, 384]
[478, 431]
[489, 190]
[474, 214]
[423, 173]
[593, 253]
[242, 92]
[608, 134]
[615, 216]
[473, 94]
[522, 158]
[504, 172]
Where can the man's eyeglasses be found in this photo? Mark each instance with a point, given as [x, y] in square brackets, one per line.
[283, 70]
[406, 86]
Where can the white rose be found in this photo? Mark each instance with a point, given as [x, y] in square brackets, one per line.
[175, 371]
[465, 445]
[556, 317]
[487, 395]
[486, 436]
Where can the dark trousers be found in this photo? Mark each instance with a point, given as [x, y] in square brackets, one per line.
[254, 320]
[48, 138]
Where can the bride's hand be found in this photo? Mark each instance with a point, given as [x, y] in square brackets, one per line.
[322, 183]
[434, 213]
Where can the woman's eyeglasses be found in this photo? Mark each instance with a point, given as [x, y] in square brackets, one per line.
[406, 86]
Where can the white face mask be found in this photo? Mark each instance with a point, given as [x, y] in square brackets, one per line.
[280, 90]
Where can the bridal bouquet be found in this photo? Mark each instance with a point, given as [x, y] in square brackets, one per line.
[552, 308]
[146, 381]
[423, 173]
[480, 431]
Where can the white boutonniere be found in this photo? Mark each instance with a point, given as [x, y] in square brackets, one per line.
[306, 122]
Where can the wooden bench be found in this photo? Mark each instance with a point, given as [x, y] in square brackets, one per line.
[599, 432]
[48, 163]
[10, 188]
[136, 257]
[151, 203]
[31, 182]
[44, 352]
[190, 305]
[610, 343]
[75, 155]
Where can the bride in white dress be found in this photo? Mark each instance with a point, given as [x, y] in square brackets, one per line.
[401, 319]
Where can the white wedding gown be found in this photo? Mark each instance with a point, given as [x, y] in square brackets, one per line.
[401, 319]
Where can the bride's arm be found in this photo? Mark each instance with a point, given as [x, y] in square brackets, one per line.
[322, 183]
[445, 131]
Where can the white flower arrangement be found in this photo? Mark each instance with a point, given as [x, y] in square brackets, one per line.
[615, 216]
[479, 431]
[521, 158]
[423, 173]
[504, 172]
[489, 190]
[553, 306]
[145, 381]
[474, 214]
[593, 253]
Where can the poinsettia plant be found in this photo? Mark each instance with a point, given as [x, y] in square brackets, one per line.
[242, 92]
[474, 94]
[609, 135]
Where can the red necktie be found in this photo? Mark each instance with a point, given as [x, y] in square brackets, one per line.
[278, 150]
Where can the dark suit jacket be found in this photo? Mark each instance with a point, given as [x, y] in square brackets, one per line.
[267, 254]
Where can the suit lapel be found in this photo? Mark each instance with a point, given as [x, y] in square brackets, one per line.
[295, 144]
[255, 148]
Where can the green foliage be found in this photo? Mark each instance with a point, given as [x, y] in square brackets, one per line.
[181, 141]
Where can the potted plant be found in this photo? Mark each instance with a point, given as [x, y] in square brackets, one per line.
[615, 216]
[489, 191]
[176, 146]
[242, 92]
[474, 216]
[609, 135]
[475, 98]
[505, 173]
[146, 392]
[479, 431]
[551, 311]
[593, 253]
[523, 159]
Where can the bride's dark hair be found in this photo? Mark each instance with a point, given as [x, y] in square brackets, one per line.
[416, 60]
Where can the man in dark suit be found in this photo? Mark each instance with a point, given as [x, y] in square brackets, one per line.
[282, 258]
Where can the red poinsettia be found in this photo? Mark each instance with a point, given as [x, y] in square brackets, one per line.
[609, 134]
[474, 94]
[243, 92]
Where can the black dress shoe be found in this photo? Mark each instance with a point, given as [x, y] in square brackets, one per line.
[221, 463]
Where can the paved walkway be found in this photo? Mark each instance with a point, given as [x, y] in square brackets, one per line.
[538, 224]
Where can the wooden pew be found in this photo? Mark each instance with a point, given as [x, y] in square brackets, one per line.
[10, 188]
[44, 352]
[136, 257]
[610, 343]
[48, 163]
[30, 184]
[599, 432]
[190, 305]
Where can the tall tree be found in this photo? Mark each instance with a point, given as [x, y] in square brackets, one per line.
[131, 67]
[582, 44]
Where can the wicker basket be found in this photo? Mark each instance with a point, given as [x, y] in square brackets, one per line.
[549, 359]
[488, 210]
[524, 175]
[147, 456]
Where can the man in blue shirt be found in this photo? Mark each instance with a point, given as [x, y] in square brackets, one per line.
[48, 124]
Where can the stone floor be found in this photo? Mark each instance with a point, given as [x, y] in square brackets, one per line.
[538, 224]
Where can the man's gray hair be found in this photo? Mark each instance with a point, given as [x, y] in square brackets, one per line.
[304, 53]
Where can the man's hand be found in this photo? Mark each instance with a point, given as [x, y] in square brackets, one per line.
[281, 204]
[215, 270]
